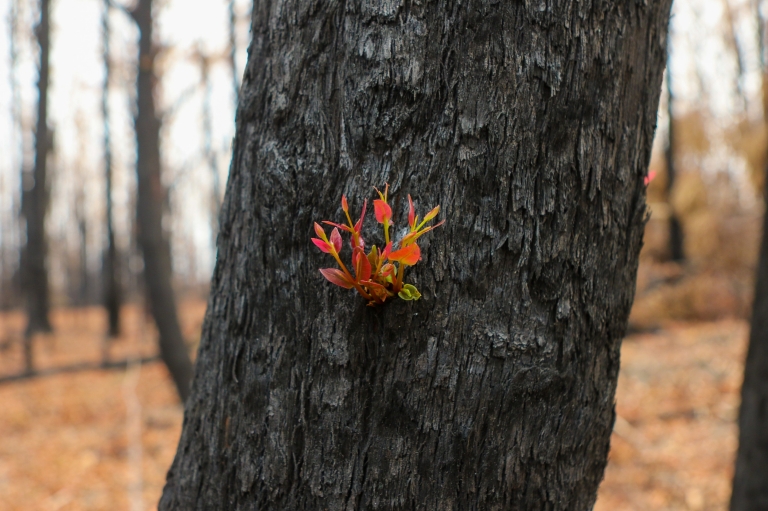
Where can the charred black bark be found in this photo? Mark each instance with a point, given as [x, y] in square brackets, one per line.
[110, 269]
[35, 201]
[750, 479]
[531, 124]
[149, 212]
[81, 296]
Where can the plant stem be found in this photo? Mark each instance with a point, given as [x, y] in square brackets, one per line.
[399, 280]
[346, 271]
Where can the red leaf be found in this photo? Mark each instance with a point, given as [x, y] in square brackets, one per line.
[321, 245]
[382, 210]
[409, 255]
[362, 265]
[360, 242]
[320, 232]
[339, 226]
[336, 239]
[337, 277]
[359, 224]
[344, 205]
[385, 254]
[373, 285]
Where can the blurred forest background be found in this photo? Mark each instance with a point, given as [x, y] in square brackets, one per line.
[197, 70]
[90, 420]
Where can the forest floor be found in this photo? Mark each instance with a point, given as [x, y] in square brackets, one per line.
[103, 440]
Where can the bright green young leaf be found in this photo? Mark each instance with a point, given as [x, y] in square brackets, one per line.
[409, 292]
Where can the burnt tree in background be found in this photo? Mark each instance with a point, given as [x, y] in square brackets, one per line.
[532, 127]
[233, 49]
[35, 201]
[10, 279]
[149, 211]
[209, 153]
[676, 251]
[738, 53]
[110, 269]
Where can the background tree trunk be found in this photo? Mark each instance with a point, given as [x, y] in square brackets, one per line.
[209, 153]
[233, 50]
[14, 276]
[110, 269]
[532, 127]
[82, 294]
[149, 212]
[35, 201]
[676, 252]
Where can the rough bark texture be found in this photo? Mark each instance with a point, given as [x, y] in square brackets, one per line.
[750, 479]
[531, 124]
[110, 268]
[149, 214]
[35, 201]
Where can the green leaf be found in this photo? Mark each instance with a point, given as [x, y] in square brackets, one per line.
[409, 292]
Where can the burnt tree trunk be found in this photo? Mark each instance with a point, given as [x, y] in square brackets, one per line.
[149, 212]
[750, 478]
[676, 252]
[13, 290]
[35, 201]
[82, 294]
[110, 270]
[532, 127]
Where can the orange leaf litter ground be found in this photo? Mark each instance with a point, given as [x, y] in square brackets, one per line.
[103, 440]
